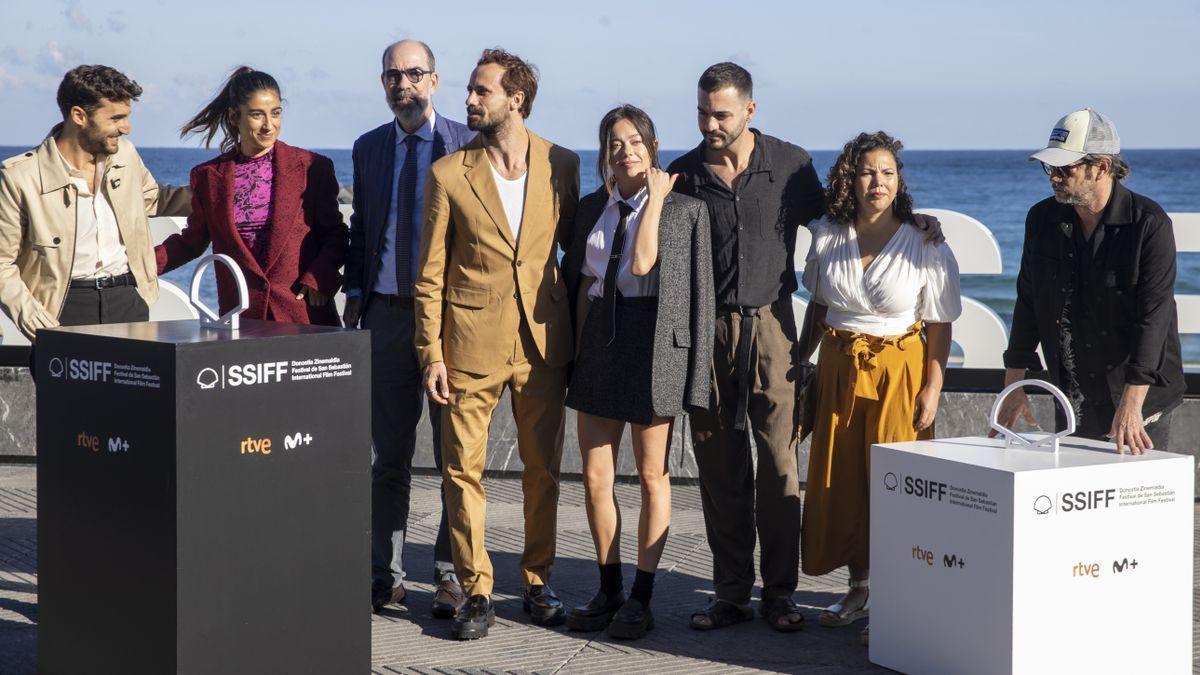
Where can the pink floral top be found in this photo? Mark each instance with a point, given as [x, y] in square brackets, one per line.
[252, 202]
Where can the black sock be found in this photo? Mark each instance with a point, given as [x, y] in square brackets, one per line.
[643, 587]
[610, 579]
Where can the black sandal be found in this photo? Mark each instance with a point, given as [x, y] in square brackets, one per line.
[721, 613]
[782, 608]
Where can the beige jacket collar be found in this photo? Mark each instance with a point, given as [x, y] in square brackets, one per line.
[52, 166]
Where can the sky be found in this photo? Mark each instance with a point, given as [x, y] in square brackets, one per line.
[936, 74]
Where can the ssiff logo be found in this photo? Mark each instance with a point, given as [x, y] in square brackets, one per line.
[1042, 505]
[56, 367]
[890, 482]
[207, 379]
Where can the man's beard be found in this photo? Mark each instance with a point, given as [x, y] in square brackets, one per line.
[726, 139]
[94, 142]
[482, 123]
[1074, 197]
[406, 107]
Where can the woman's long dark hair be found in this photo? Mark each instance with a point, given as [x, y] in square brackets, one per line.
[841, 205]
[243, 83]
[640, 121]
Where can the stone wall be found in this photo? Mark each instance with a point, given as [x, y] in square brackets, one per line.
[959, 414]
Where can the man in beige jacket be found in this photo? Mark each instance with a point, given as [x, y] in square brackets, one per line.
[492, 313]
[75, 245]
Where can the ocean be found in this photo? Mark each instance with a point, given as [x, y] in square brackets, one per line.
[996, 187]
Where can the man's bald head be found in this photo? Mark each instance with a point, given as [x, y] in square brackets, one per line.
[407, 46]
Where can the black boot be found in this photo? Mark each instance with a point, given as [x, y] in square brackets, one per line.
[632, 621]
[474, 618]
[596, 614]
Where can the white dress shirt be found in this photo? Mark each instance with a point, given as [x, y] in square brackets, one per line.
[98, 248]
[599, 246]
[386, 281]
[910, 280]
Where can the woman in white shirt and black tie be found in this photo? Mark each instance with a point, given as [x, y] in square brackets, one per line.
[883, 298]
[640, 272]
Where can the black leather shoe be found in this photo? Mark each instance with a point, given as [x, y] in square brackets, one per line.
[632, 621]
[474, 619]
[543, 605]
[596, 614]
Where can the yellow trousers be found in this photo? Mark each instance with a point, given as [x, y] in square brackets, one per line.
[867, 388]
[537, 392]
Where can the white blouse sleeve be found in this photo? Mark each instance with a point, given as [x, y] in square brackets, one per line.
[941, 298]
[811, 277]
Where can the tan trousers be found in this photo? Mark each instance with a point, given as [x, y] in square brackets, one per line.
[866, 393]
[537, 393]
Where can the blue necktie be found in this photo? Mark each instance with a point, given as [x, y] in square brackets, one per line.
[406, 200]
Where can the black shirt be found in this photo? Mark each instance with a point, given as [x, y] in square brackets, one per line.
[1118, 294]
[754, 224]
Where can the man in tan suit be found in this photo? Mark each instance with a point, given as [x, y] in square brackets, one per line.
[492, 312]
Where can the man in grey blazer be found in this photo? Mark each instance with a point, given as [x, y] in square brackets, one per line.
[390, 166]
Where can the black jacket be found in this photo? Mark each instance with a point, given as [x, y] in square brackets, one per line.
[1131, 294]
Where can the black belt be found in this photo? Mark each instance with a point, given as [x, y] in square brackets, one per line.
[742, 372]
[105, 282]
[392, 300]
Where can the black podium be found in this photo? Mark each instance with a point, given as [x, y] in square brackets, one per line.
[203, 499]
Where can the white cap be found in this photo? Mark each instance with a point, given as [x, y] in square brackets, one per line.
[1083, 132]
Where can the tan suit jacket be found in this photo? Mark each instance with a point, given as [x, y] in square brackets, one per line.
[476, 283]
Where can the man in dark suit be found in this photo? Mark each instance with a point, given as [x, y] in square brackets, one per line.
[390, 166]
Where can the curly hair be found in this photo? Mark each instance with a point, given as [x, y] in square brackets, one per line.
[841, 204]
[519, 75]
[86, 86]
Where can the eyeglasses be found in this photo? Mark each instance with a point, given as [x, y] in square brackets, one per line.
[1062, 171]
[392, 75]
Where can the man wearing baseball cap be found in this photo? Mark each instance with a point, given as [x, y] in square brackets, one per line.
[1097, 290]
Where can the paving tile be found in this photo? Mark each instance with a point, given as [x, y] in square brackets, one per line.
[408, 640]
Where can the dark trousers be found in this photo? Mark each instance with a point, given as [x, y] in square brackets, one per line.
[397, 402]
[740, 499]
[1096, 417]
[90, 306]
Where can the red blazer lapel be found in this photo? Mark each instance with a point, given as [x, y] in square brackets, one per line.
[223, 194]
[287, 192]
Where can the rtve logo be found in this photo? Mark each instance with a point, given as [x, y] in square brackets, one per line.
[949, 560]
[92, 442]
[242, 375]
[263, 446]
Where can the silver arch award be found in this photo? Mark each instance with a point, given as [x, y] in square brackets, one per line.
[209, 318]
[974, 539]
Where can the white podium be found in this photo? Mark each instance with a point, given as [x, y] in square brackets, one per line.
[993, 559]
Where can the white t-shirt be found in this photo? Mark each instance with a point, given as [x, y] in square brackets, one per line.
[599, 246]
[512, 195]
[910, 280]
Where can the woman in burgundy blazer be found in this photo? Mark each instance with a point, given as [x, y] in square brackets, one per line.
[269, 206]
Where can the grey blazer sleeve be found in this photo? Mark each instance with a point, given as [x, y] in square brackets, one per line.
[703, 310]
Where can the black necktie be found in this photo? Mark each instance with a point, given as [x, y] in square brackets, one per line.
[610, 275]
[406, 200]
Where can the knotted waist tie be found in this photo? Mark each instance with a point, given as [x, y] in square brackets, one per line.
[863, 351]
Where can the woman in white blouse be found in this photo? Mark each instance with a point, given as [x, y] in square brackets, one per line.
[883, 298]
[639, 267]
